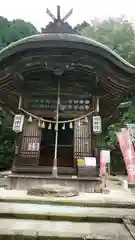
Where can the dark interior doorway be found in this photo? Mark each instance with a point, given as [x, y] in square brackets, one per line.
[65, 147]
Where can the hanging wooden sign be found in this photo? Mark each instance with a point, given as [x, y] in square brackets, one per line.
[97, 124]
[18, 123]
[33, 147]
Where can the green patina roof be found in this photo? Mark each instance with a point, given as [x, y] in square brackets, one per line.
[80, 41]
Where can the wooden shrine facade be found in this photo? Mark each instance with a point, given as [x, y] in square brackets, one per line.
[28, 159]
[88, 73]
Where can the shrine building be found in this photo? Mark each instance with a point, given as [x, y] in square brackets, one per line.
[61, 88]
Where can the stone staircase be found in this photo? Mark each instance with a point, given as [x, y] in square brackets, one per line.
[87, 216]
[46, 221]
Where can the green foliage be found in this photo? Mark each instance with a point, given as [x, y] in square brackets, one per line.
[10, 31]
[126, 118]
[20, 29]
[7, 138]
[116, 33]
[79, 28]
[119, 35]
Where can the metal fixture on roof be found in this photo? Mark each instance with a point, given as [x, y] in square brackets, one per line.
[59, 15]
[58, 24]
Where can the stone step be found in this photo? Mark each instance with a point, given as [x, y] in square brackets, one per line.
[72, 213]
[115, 199]
[37, 229]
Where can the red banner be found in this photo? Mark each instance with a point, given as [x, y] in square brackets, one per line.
[102, 165]
[128, 153]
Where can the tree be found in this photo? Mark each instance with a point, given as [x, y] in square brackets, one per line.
[7, 138]
[116, 33]
[20, 29]
[119, 35]
[79, 28]
[10, 31]
[4, 32]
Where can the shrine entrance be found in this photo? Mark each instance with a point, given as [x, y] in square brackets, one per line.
[64, 148]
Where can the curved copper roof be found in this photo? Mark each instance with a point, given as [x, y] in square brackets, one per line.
[82, 42]
[44, 52]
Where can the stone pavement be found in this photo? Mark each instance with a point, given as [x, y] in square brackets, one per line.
[37, 229]
[116, 198]
[64, 212]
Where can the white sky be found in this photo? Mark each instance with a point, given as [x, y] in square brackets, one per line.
[35, 10]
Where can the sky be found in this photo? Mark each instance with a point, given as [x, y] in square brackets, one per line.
[34, 11]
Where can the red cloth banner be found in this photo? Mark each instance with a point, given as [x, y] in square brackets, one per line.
[102, 164]
[128, 153]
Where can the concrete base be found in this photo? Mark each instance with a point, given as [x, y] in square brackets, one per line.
[24, 182]
[131, 185]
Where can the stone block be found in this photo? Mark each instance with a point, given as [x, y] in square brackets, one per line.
[52, 190]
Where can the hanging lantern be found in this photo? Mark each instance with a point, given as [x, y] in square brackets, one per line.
[43, 125]
[39, 123]
[71, 125]
[50, 126]
[30, 119]
[63, 127]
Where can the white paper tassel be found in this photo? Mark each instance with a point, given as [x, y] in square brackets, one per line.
[55, 127]
[50, 126]
[71, 125]
[86, 120]
[79, 123]
[43, 125]
[39, 123]
[63, 127]
[30, 119]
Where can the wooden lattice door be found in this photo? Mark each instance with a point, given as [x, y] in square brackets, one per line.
[82, 139]
[30, 144]
[82, 147]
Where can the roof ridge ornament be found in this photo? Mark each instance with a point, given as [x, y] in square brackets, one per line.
[58, 23]
[59, 14]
